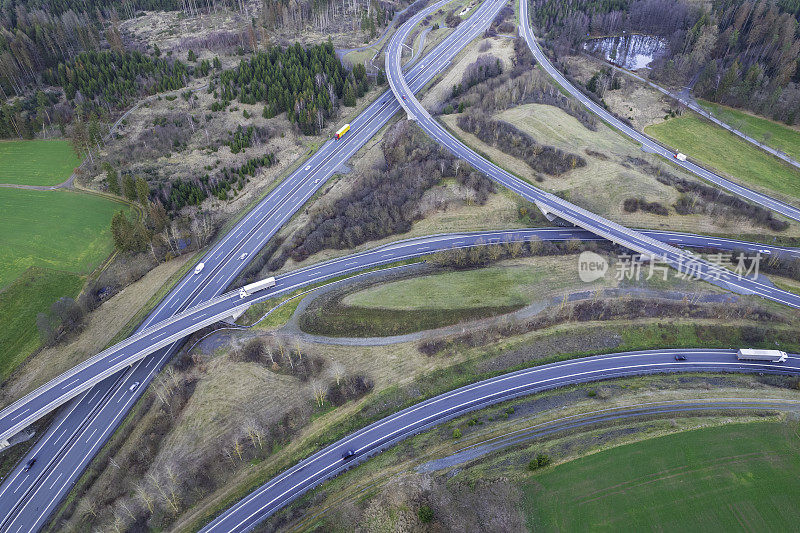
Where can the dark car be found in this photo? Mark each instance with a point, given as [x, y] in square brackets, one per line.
[349, 454]
[680, 357]
[30, 464]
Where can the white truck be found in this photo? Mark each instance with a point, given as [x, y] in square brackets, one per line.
[773, 356]
[680, 157]
[247, 290]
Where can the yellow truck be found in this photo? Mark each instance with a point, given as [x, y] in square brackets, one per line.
[344, 129]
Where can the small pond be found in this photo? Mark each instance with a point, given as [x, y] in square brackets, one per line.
[629, 51]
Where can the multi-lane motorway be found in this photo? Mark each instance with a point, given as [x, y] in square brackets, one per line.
[380, 435]
[612, 231]
[27, 498]
[82, 427]
[647, 143]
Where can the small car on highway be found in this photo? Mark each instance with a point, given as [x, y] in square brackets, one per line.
[30, 464]
[133, 386]
[680, 357]
[243, 256]
[349, 454]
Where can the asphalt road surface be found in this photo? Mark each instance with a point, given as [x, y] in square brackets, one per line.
[647, 143]
[376, 437]
[27, 498]
[612, 231]
[19, 480]
[81, 428]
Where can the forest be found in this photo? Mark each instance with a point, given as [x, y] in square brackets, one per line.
[745, 53]
[116, 76]
[306, 83]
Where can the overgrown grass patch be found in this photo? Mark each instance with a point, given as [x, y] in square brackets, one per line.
[721, 149]
[36, 162]
[729, 478]
[20, 302]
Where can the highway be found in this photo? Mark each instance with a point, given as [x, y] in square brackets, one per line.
[87, 422]
[164, 333]
[647, 143]
[26, 499]
[689, 102]
[612, 231]
[83, 426]
[378, 436]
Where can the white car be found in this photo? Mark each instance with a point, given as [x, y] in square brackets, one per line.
[764, 251]
[199, 268]
[308, 167]
[133, 386]
[243, 256]
[316, 180]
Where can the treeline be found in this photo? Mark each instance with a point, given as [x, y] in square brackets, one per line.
[485, 67]
[516, 86]
[180, 193]
[95, 8]
[519, 144]
[754, 62]
[115, 76]
[306, 83]
[245, 137]
[24, 117]
[385, 200]
[366, 15]
[700, 198]
[745, 51]
[32, 40]
[566, 23]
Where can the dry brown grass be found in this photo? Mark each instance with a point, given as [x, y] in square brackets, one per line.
[102, 325]
[501, 48]
[603, 184]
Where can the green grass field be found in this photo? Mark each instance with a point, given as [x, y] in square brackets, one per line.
[433, 301]
[36, 162]
[510, 284]
[718, 148]
[771, 133]
[740, 477]
[28, 295]
[49, 241]
[60, 230]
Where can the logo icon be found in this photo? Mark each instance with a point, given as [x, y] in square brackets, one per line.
[591, 266]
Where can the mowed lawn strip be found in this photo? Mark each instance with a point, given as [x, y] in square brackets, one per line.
[771, 133]
[730, 478]
[724, 151]
[36, 162]
[61, 230]
[29, 295]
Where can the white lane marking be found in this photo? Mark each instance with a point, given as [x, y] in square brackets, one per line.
[56, 481]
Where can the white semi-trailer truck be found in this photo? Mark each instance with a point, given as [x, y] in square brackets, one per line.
[773, 356]
[247, 290]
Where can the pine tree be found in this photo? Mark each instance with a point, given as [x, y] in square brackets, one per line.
[142, 191]
[129, 187]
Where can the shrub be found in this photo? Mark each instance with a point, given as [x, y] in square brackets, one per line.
[425, 514]
[540, 461]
